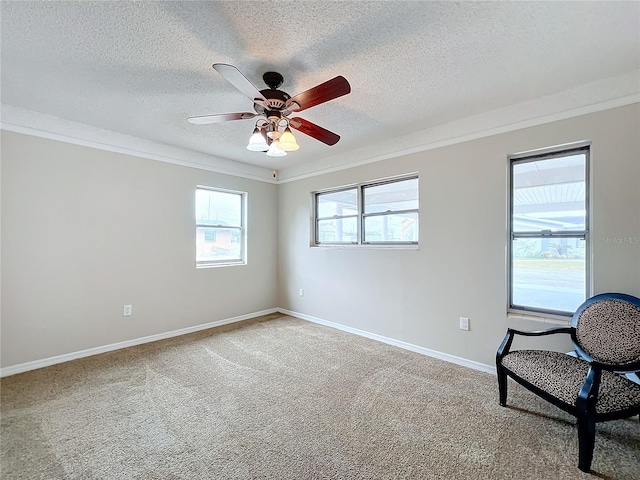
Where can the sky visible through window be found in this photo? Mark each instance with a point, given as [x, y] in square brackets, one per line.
[218, 208]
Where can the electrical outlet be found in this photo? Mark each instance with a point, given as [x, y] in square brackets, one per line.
[127, 310]
[464, 323]
[301, 292]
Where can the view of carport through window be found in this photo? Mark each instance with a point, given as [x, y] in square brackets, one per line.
[549, 228]
[381, 212]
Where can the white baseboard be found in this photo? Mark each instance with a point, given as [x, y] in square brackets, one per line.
[45, 362]
[398, 343]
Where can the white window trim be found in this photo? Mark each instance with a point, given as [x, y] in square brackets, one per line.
[243, 230]
[541, 315]
[359, 187]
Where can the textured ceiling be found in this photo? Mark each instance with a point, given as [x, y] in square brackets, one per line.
[142, 68]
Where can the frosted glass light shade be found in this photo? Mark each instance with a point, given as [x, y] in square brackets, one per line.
[275, 150]
[257, 142]
[287, 141]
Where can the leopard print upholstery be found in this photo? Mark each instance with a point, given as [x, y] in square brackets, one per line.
[609, 331]
[562, 376]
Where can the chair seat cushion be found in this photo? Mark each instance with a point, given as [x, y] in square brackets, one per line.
[562, 376]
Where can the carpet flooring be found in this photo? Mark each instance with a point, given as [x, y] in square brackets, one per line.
[282, 398]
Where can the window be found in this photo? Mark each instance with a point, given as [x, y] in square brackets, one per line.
[384, 212]
[220, 230]
[549, 229]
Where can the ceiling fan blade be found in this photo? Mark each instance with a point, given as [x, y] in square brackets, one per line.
[223, 117]
[334, 88]
[313, 130]
[238, 80]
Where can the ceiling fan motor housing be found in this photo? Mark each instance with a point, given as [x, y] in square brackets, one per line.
[276, 100]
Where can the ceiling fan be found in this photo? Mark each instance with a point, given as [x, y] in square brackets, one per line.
[272, 132]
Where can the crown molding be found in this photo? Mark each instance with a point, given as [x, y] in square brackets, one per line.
[593, 97]
[589, 98]
[464, 137]
[20, 120]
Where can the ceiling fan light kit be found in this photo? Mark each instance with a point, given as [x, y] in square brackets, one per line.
[275, 106]
[257, 142]
[275, 151]
[287, 141]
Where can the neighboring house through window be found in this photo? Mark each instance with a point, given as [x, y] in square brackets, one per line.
[384, 212]
[220, 227]
[549, 268]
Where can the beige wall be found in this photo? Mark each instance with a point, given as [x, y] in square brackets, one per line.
[85, 231]
[417, 296]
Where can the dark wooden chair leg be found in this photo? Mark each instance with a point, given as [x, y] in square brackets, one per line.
[586, 441]
[502, 386]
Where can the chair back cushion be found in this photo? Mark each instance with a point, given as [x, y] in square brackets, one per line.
[608, 328]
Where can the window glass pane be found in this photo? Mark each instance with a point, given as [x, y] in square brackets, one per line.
[548, 273]
[550, 194]
[337, 230]
[337, 203]
[391, 228]
[217, 244]
[218, 208]
[401, 195]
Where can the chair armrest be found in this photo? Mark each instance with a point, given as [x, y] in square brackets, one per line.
[540, 333]
[508, 338]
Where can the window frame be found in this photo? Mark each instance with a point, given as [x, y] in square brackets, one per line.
[530, 157]
[316, 230]
[360, 216]
[242, 259]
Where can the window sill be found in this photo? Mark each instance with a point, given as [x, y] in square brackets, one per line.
[215, 265]
[366, 246]
[548, 319]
